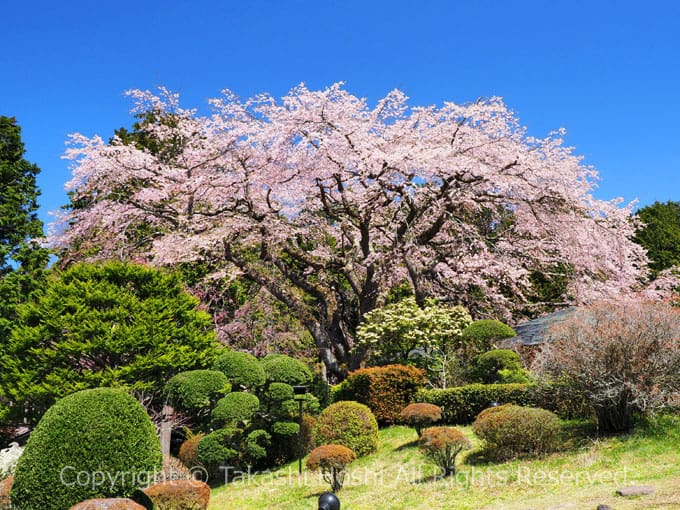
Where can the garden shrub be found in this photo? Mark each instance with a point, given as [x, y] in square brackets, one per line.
[217, 448]
[195, 392]
[385, 390]
[243, 370]
[498, 366]
[255, 448]
[188, 451]
[103, 430]
[286, 428]
[511, 431]
[284, 369]
[279, 391]
[482, 335]
[109, 504]
[350, 424]
[308, 433]
[331, 460]
[420, 415]
[441, 445]
[462, 404]
[179, 495]
[235, 408]
[621, 358]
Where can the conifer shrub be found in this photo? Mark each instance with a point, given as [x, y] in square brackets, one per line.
[284, 369]
[385, 390]
[101, 430]
[420, 415]
[482, 335]
[498, 366]
[331, 460]
[195, 392]
[350, 424]
[219, 448]
[510, 431]
[243, 370]
[234, 409]
[441, 445]
[188, 451]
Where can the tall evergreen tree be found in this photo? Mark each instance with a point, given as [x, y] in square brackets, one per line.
[660, 234]
[22, 259]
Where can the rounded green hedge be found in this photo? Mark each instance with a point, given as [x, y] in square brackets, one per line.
[96, 443]
[510, 431]
[284, 369]
[196, 391]
[498, 366]
[217, 448]
[350, 424]
[234, 408]
[242, 369]
[279, 392]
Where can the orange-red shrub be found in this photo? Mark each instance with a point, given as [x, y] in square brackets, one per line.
[188, 451]
[179, 495]
[385, 390]
[441, 445]
[420, 415]
[331, 459]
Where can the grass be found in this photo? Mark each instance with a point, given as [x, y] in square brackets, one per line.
[397, 477]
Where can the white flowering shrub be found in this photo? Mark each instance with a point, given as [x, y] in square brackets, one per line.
[9, 457]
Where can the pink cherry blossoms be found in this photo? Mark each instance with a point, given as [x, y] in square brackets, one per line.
[327, 201]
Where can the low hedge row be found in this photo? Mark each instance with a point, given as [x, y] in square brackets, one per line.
[460, 405]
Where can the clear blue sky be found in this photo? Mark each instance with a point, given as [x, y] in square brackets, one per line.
[607, 71]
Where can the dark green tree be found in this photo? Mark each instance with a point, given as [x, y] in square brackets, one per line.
[660, 234]
[19, 222]
[22, 259]
[112, 324]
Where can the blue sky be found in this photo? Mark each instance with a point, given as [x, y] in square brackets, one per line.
[607, 71]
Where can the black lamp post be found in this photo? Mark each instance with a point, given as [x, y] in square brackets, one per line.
[329, 501]
[299, 394]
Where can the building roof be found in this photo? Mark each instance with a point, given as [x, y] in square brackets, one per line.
[534, 332]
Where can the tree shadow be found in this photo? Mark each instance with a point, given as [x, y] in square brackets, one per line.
[430, 479]
[407, 446]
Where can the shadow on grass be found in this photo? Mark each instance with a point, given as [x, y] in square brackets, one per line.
[407, 446]
[431, 478]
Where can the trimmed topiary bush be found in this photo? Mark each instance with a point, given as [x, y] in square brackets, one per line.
[286, 428]
[243, 370]
[218, 448]
[420, 416]
[498, 366]
[235, 408]
[350, 424]
[279, 391]
[308, 433]
[102, 430]
[511, 431]
[441, 445]
[331, 460]
[482, 335]
[195, 392]
[284, 369]
[385, 390]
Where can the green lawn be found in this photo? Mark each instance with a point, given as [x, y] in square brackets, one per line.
[396, 477]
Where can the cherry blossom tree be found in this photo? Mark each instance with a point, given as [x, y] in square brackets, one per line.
[327, 201]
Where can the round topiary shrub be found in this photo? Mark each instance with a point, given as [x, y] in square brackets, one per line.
[179, 495]
[498, 366]
[279, 391]
[284, 369]
[242, 369]
[350, 424]
[94, 433]
[480, 336]
[420, 415]
[286, 428]
[511, 431]
[331, 460]
[441, 445]
[235, 408]
[196, 391]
